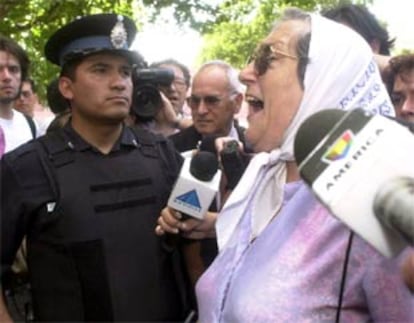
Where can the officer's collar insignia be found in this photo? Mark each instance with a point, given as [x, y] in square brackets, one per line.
[119, 34]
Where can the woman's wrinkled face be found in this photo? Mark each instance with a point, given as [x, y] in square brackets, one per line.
[274, 69]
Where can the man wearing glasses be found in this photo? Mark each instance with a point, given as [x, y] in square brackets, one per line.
[28, 103]
[177, 92]
[170, 119]
[216, 96]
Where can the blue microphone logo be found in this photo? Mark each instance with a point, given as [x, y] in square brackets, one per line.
[189, 200]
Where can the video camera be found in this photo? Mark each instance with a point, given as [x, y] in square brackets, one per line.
[147, 101]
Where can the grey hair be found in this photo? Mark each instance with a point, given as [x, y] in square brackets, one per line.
[232, 74]
[295, 14]
[302, 46]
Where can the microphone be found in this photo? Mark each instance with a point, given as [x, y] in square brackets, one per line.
[196, 185]
[346, 157]
[234, 163]
[394, 206]
[209, 144]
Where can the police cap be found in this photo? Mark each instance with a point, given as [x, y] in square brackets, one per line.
[91, 34]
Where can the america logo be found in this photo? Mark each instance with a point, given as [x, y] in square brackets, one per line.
[340, 148]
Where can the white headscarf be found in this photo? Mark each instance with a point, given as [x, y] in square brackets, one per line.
[341, 74]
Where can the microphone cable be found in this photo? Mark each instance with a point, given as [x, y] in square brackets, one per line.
[343, 278]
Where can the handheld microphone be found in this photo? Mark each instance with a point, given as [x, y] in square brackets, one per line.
[234, 163]
[345, 157]
[208, 144]
[197, 185]
[394, 206]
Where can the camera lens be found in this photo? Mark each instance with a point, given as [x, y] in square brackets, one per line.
[147, 101]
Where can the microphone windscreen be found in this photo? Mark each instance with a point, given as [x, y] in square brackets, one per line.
[204, 166]
[394, 205]
[313, 130]
[209, 144]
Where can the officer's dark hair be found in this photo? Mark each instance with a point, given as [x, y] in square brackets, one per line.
[69, 68]
[182, 67]
[56, 101]
[359, 18]
[59, 121]
[10, 46]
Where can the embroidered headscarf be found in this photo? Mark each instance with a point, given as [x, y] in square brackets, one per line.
[341, 73]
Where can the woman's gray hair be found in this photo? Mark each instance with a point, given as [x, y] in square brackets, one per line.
[302, 46]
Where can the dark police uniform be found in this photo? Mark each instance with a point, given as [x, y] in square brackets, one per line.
[89, 220]
[88, 217]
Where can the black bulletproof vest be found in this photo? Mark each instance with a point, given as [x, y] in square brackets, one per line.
[95, 257]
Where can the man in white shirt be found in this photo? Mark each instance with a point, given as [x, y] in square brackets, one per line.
[28, 103]
[17, 129]
[14, 65]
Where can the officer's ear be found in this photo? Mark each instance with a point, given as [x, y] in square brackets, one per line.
[65, 87]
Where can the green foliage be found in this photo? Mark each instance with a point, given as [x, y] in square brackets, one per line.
[243, 23]
[198, 14]
[231, 28]
[31, 22]
[404, 51]
[240, 27]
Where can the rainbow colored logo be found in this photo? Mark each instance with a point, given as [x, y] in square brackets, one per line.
[340, 148]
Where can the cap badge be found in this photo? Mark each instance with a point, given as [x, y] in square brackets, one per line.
[119, 34]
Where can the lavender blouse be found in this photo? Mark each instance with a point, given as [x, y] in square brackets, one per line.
[292, 272]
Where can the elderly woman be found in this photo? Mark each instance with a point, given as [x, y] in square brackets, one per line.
[283, 257]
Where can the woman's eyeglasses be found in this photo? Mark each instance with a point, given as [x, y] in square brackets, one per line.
[264, 55]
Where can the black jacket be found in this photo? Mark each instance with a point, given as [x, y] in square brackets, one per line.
[188, 138]
[89, 220]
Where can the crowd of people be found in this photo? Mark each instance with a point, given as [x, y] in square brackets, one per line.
[86, 233]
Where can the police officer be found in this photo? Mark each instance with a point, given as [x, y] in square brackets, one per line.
[87, 196]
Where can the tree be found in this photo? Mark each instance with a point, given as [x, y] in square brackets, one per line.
[231, 28]
[32, 22]
[242, 23]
